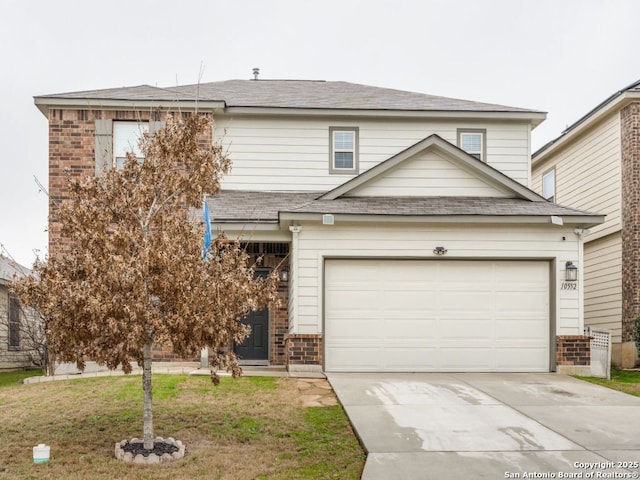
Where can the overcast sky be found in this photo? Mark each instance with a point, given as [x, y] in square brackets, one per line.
[562, 57]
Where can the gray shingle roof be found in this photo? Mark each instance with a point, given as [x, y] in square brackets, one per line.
[331, 95]
[234, 205]
[231, 205]
[634, 88]
[9, 268]
[140, 92]
[308, 94]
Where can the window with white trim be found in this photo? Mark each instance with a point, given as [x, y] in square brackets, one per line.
[549, 185]
[343, 145]
[472, 141]
[126, 139]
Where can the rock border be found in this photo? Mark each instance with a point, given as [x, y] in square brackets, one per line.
[151, 458]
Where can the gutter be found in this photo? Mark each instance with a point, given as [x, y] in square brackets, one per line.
[617, 100]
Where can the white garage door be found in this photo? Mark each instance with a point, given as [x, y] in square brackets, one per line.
[439, 315]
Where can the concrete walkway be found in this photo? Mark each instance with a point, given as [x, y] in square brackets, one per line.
[490, 426]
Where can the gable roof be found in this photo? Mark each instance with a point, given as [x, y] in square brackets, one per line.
[435, 142]
[286, 94]
[616, 101]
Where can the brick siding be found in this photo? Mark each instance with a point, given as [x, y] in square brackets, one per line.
[72, 152]
[573, 350]
[304, 349]
[630, 138]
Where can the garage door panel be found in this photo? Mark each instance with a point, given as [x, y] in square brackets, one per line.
[522, 330]
[521, 359]
[470, 330]
[455, 359]
[397, 329]
[397, 315]
[533, 302]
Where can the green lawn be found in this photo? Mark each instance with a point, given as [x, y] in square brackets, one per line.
[14, 378]
[623, 380]
[244, 428]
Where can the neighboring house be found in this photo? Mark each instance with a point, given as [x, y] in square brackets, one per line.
[410, 238]
[595, 165]
[15, 321]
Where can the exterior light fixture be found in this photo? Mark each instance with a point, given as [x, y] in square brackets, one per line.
[570, 272]
[439, 250]
[284, 274]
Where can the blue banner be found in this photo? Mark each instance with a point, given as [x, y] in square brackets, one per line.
[207, 229]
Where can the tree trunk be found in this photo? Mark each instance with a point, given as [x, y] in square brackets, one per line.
[147, 415]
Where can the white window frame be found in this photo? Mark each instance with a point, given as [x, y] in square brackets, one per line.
[549, 182]
[132, 132]
[481, 153]
[333, 150]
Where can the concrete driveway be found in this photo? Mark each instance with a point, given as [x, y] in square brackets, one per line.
[490, 426]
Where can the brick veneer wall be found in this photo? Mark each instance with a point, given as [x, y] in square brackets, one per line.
[72, 153]
[573, 350]
[304, 349]
[630, 146]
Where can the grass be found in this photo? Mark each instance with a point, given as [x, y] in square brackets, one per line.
[626, 381]
[14, 378]
[244, 428]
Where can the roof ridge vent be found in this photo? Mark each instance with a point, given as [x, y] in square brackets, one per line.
[256, 72]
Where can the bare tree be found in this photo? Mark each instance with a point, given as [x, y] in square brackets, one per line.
[24, 328]
[132, 274]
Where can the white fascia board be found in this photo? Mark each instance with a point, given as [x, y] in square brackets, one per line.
[584, 221]
[45, 104]
[535, 118]
[565, 138]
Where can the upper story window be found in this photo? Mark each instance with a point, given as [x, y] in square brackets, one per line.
[549, 185]
[126, 138]
[473, 141]
[343, 146]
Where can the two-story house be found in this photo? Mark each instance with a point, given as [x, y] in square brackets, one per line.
[595, 165]
[411, 237]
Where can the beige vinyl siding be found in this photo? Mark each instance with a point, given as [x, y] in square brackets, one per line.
[292, 153]
[376, 240]
[603, 284]
[428, 174]
[588, 175]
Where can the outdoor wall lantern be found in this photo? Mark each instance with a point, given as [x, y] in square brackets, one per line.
[570, 272]
[439, 250]
[284, 274]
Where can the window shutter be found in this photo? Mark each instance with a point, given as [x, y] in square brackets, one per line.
[103, 146]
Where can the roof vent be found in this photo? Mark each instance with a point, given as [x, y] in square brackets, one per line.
[256, 72]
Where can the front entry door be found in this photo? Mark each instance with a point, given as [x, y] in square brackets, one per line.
[256, 346]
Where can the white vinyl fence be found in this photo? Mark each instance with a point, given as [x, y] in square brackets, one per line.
[600, 352]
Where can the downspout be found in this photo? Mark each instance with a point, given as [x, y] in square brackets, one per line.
[293, 285]
[580, 233]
